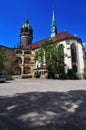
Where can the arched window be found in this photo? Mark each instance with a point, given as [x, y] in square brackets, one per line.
[27, 52]
[18, 52]
[74, 68]
[73, 53]
[17, 70]
[74, 57]
[27, 70]
[18, 60]
[26, 29]
[27, 60]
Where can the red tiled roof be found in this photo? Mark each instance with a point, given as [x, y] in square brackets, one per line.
[59, 37]
[36, 44]
[62, 36]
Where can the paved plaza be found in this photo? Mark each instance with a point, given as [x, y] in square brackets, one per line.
[43, 105]
[10, 88]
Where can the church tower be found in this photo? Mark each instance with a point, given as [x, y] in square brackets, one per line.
[53, 26]
[26, 34]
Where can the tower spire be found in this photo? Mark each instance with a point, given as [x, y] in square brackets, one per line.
[53, 26]
[27, 20]
[53, 17]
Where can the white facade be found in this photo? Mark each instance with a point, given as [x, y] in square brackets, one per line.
[79, 56]
[69, 57]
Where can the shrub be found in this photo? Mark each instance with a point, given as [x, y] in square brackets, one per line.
[37, 74]
[84, 75]
[71, 74]
[63, 76]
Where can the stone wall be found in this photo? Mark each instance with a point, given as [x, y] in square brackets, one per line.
[9, 63]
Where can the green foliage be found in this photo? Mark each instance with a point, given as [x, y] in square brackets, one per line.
[71, 74]
[54, 55]
[39, 54]
[84, 75]
[2, 60]
[37, 74]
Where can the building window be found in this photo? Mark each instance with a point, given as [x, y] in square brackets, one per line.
[74, 57]
[26, 29]
[17, 71]
[27, 52]
[27, 60]
[74, 68]
[18, 52]
[68, 42]
[18, 60]
[69, 56]
[68, 48]
[27, 70]
[73, 53]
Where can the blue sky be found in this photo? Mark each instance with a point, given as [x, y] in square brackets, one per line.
[70, 16]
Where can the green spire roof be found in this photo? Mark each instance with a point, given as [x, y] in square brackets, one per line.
[53, 18]
[53, 26]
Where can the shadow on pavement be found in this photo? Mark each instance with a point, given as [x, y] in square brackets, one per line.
[44, 111]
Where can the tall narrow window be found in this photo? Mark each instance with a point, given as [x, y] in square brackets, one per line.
[73, 53]
[74, 57]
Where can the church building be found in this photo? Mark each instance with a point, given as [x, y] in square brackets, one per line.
[24, 63]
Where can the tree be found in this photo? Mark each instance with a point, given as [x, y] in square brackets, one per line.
[39, 55]
[2, 60]
[71, 74]
[54, 57]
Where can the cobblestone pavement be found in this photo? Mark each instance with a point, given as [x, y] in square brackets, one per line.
[43, 105]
